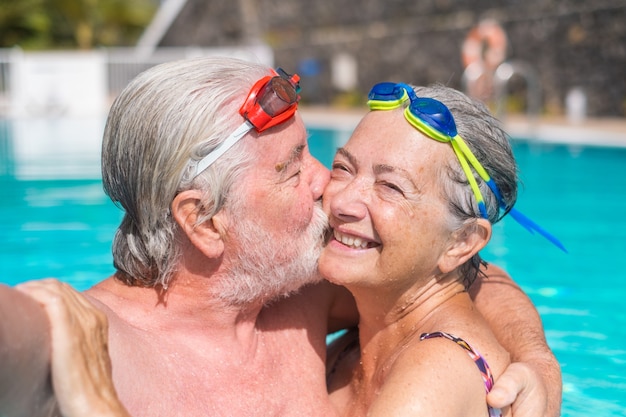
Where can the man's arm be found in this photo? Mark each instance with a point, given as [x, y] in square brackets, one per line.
[25, 388]
[518, 327]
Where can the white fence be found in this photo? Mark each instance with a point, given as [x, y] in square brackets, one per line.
[77, 83]
[53, 105]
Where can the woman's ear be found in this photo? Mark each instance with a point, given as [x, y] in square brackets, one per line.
[206, 237]
[465, 243]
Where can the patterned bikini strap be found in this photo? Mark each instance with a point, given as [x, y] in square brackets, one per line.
[480, 362]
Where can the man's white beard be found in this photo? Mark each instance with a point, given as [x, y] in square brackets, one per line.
[268, 267]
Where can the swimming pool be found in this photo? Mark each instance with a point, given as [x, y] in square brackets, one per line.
[59, 223]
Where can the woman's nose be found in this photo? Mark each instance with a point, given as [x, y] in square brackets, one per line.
[346, 200]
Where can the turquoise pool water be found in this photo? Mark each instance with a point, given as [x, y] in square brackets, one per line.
[61, 225]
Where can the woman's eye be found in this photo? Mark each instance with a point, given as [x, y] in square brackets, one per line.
[338, 170]
[339, 167]
[393, 187]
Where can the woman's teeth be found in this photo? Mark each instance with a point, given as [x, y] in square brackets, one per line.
[351, 241]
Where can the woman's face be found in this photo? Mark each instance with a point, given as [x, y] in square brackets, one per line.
[385, 205]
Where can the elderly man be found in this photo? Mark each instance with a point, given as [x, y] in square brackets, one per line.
[216, 308]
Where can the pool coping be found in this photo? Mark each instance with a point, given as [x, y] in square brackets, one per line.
[608, 132]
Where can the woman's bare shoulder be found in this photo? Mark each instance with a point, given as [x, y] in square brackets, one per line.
[432, 377]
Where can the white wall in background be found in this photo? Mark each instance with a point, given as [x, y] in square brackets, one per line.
[55, 84]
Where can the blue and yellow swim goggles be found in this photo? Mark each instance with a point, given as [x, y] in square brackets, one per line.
[434, 119]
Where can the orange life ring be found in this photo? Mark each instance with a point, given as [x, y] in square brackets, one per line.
[486, 43]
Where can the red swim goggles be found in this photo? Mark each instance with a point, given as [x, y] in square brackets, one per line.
[271, 101]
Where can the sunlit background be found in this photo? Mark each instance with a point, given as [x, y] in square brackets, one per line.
[553, 71]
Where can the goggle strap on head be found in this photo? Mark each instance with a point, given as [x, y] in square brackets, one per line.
[234, 137]
[518, 216]
[470, 178]
[472, 159]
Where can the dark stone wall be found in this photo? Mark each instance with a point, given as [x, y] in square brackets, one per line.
[568, 43]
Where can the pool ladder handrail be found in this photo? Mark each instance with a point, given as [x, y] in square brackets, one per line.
[501, 78]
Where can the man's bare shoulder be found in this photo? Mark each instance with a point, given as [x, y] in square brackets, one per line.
[108, 296]
[212, 367]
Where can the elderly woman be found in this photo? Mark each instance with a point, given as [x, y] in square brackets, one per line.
[411, 201]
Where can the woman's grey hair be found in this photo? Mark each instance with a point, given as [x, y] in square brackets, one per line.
[159, 126]
[485, 136]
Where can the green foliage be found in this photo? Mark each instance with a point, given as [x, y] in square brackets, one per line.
[71, 24]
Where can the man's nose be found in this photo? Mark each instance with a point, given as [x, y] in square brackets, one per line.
[320, 178]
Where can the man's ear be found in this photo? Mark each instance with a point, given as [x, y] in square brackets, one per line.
[206, 236]
[465, 243]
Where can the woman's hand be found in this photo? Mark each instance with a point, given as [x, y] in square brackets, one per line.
[81, 367]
